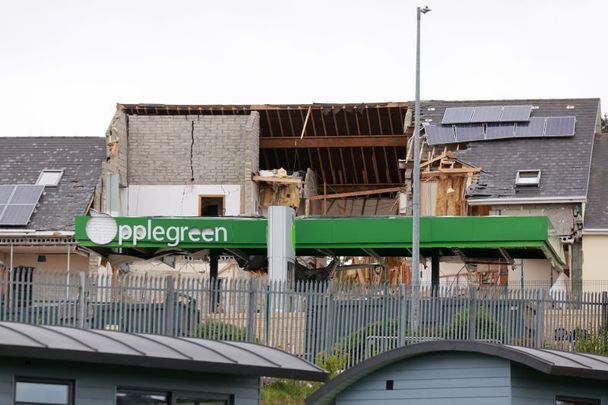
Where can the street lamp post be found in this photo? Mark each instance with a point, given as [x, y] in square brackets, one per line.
[416, 188]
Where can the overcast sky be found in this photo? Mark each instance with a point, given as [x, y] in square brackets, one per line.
[65, 64]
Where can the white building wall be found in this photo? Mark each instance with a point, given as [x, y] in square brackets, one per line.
[178, 200]
[595, 265]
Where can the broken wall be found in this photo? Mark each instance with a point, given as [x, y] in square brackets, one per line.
[185, 150]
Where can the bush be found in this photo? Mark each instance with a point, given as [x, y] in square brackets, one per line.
[287, 392]
[221, 331]
[596, 343]
[487, 327]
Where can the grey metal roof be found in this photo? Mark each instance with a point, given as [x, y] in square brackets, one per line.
[596, 213]
[151, 351]
[23, 158]
[564, 162]
[551, 362]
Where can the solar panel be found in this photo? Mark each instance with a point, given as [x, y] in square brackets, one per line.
[18, 203]
[514, 113]
[457, 115]
[534, 127]
[560, 126]
[27, 194]
[5, 193]
[468, 133]
[487, 114]
[500, 131]
[17, 214]
[438, 135]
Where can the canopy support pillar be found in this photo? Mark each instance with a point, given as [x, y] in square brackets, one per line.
[214, 282]
[435, 272]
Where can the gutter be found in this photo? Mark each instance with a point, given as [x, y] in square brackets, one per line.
[595, 231]
[528, 200]
[33, 233]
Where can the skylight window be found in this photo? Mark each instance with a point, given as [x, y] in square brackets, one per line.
[528, 178]
[50, 178]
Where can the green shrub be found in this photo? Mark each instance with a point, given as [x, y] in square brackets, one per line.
[487, 327]
[287, 392]
[596, 343]
[221, 331]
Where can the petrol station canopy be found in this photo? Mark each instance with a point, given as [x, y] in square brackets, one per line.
[491, 237]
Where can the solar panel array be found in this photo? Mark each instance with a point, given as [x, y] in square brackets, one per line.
[484, 114]
[536, 127]
[17, 203]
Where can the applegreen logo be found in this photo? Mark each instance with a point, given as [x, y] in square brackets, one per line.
[102, 229]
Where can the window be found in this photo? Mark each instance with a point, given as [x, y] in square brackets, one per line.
[50, 178]
[30, 391]
[144, 397]
[528, 178]
[211, 205]
[140, 397]
[565, 400]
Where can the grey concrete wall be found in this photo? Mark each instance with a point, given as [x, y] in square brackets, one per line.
[96, 384]
[442, 378]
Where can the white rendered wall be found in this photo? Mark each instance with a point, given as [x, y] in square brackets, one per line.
[595, 266]
[178, 200]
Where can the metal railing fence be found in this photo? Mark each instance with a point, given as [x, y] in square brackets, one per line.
[306, 319]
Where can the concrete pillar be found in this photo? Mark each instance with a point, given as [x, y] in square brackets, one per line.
[281, 249]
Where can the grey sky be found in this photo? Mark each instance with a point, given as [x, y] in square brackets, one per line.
[66, 63]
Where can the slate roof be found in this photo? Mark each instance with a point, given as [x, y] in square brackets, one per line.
[564, 162]
[550, 362]
[23, 158]
[596, 212]
[151, 351]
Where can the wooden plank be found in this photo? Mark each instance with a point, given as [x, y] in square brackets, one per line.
[450, 171]
[356, 193]
[341, 141]
[282, 180]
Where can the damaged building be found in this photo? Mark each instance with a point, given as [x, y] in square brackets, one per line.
[206, 160]
[479, 158]
[513, 157]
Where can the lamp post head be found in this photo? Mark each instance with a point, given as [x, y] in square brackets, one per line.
[424, 10]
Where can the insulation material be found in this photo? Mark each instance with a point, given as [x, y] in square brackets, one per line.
[289, 196]
[266, 196]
